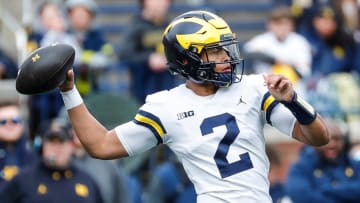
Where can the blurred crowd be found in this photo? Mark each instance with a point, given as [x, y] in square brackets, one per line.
[316, 43]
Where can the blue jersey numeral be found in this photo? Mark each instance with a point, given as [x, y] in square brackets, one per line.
[226, 169]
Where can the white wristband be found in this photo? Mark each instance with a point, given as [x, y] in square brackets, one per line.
[71, 98]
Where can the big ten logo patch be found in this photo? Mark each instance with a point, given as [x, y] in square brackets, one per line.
[186, 114]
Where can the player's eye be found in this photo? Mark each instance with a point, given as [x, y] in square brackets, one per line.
[215, 50]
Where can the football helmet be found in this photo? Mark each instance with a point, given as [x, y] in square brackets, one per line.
[189, 36]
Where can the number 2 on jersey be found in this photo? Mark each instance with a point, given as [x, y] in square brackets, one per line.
[226, 169]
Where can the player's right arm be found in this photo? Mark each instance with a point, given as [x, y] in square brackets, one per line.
[97, 140]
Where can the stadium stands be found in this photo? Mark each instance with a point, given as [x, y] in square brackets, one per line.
[245, 17]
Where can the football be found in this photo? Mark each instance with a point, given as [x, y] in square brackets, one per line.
[45, 69]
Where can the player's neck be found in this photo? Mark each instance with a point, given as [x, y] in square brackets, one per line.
[204, 89]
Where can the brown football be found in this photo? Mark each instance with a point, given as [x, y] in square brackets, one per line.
[45, 69]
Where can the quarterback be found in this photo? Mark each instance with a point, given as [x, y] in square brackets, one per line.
[214, 122]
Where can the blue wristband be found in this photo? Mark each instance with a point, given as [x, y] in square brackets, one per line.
[303, 111]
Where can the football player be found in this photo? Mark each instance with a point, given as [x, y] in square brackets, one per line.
[214, 122]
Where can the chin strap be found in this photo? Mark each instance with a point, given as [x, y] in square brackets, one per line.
[226, 79]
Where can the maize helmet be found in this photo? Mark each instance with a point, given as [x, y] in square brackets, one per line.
[189, 36]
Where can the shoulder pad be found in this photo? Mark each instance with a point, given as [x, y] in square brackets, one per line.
[255, 78]
[158, 97]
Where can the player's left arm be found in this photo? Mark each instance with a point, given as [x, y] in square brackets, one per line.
[309, 127]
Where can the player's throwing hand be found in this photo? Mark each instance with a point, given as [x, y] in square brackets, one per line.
[279, 87]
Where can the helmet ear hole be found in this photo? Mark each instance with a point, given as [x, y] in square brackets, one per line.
[193, 49]
[202, 74]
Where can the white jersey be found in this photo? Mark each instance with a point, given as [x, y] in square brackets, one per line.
[219, 138]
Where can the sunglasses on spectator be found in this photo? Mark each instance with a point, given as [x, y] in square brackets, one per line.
[15, 120]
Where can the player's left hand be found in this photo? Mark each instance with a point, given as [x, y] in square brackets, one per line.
[69, 83]
[279, 86]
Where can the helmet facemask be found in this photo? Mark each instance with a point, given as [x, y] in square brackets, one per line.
[205, 72]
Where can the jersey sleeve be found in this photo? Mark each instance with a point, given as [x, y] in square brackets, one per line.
[146, 129]
[282, 119]
[135, 138]
[276, 114]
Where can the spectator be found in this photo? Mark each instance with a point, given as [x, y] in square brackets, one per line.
[277, 50]
[15, 154]
[96, 51]
[8, 67]
[334, 54]
[55, 24]
[136, 189]
[54, 179]
[110, 178]
[46, 106]
[325, 174]
[303, 11]
[349, 13]
[333, 48]
[49, 20]
[41, 25]
[170, 184]
[277, 191]
[115, 183]
[143, 51]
